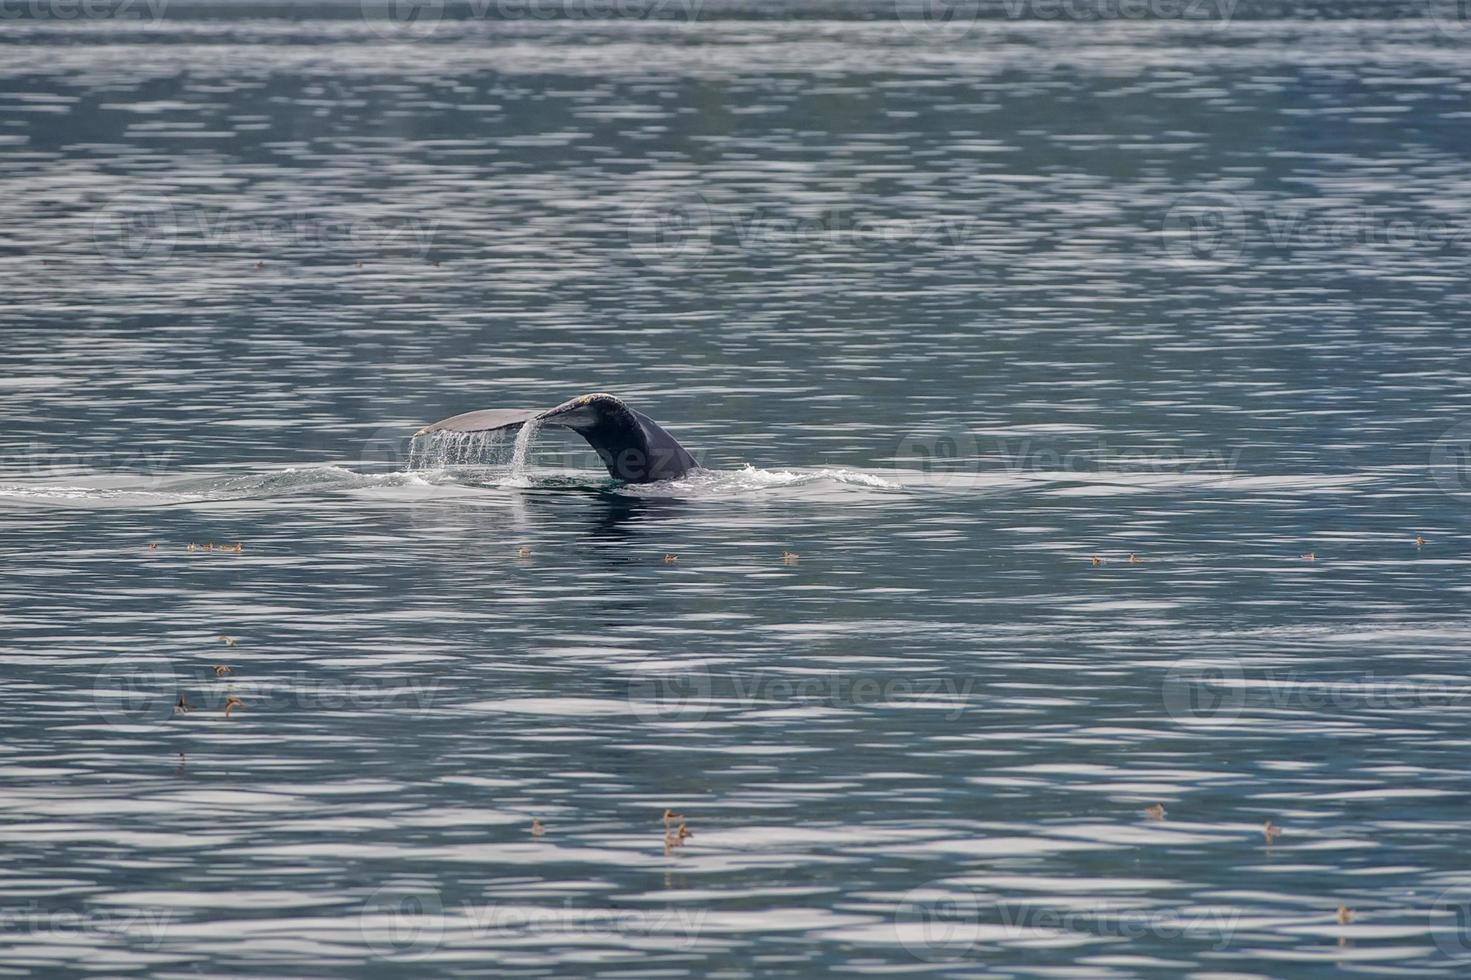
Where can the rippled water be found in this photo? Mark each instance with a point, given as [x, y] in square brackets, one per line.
[948, 309]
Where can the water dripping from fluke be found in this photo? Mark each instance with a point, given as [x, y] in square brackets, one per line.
[440, 450]
[522, 450]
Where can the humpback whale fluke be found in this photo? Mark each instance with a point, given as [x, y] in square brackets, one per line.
[633, 446]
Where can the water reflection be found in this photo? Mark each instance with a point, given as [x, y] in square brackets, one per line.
[945, 317]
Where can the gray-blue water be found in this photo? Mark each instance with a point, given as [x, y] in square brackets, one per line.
[949, 306]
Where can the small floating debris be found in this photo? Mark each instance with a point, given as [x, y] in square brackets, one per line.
[536, 828]
[1419, 541]
[1135, 559]
[193, 546]
[237, 548]
[675, 837]
[183, 707]
[670, 816]
[153, 546]
[790, 557]
[524, 553]
[228, 641]
[1096, 561]
[1345, 915]
[1155, 812]
[221, 670]
[259, 266]
[1271, 831]
[231, 703]
[1310, 556]
[670, 559]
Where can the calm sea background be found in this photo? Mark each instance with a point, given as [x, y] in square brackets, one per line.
[951, 301]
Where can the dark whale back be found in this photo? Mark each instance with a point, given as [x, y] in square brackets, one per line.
[631, 445]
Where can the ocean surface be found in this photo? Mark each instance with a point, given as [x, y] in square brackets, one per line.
[959, 307]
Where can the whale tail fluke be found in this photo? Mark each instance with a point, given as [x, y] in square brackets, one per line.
[633, 447]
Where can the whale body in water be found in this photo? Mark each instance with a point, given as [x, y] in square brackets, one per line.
[634, 447]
